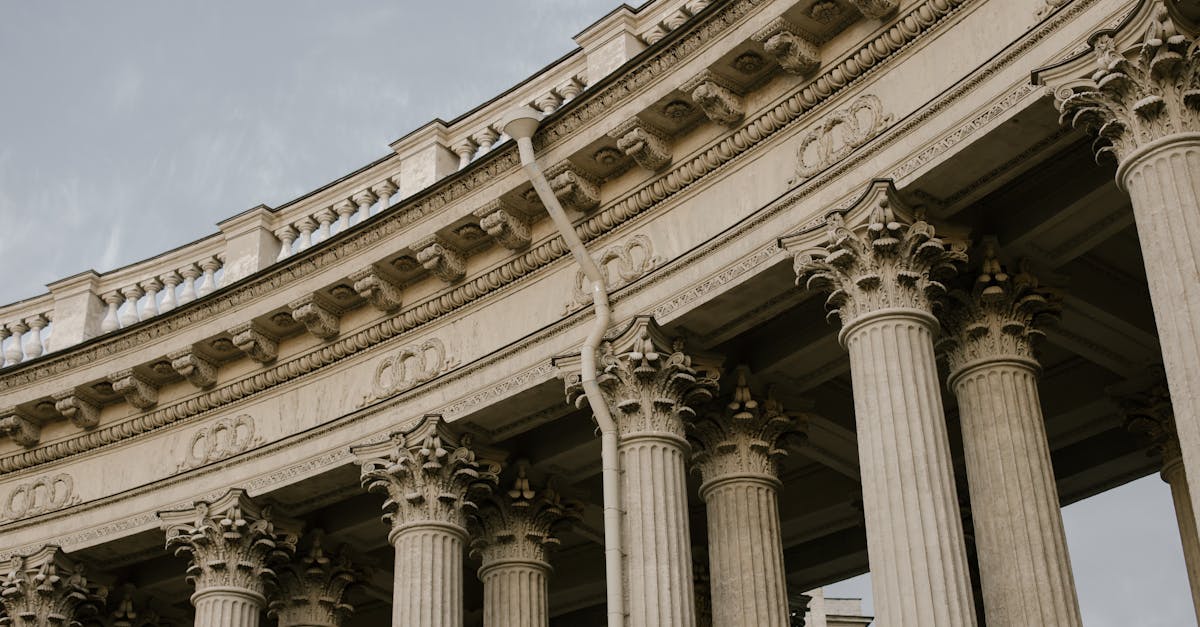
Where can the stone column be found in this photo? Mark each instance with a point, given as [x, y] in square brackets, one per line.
[311, 588]
[233, 544]
[513, 532]
[882, 267]
[1140, 97]
[47, 589]
[737, 452]
[1150, 413]
[652, 388]
[1023, 564]
[430, 477]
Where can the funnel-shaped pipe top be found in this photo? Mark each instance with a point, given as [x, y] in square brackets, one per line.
[520, 122]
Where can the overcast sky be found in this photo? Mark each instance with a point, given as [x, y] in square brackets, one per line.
[130, 127]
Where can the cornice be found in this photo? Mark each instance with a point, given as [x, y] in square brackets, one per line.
[853, 65]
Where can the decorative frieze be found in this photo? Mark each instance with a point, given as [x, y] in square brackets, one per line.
[199, 370]
[378, 289]
[632, 260]
[311, 587]
[839, 133]
[716, 97]
[504, 224]
[47, 493]
[256, 342]
[574, 187]
[222, 439]
[441, 258]
[318, 315]
[137, 390]
[47, 589]
[78, 408]
[647, 144]
[410, 366]
[785, 43]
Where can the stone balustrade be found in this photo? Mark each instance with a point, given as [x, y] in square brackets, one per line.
[25, 329]
[135, 301]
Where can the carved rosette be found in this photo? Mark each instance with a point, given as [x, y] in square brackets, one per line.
[652, 385]
[232, 542]
[1139, 95]
[740, 439]
[999, 318]
[427, 473]
[312, 587]
[892, 261]
[520, 524]
[47, 589]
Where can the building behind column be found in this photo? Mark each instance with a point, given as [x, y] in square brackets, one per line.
[890, 282]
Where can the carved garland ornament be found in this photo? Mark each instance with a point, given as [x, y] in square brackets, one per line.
[224, 438]
[44, 494]
[634, 259]
[839, 134]
[410, 366]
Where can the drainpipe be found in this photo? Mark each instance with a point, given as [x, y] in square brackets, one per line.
[520, 125]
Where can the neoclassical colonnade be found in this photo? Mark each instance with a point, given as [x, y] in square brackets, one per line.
[903, 293]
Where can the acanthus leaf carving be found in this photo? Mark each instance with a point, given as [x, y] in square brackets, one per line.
[574, 187]
[633, 259]
[838, 134]
[311, 588]
[794, 53]
[504, 224]
[647, 144]
[257, 343]
[441, 258]
[137, 390]
[1139, 95]
[47, 588]
[231, 542]
[875, 9]
[426, 473]
[319, 316]
[378, 289]
[520, 523]
[716, 97]
[82, 411]
[893, 259]
[999, 317]
[199, 370]
[21, 427]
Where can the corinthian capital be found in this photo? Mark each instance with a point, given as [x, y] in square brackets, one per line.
[232, 542]
[883, 257]
[999, 317]
[312, 585]
[1148, 413]
[428, 474]
[740, 438]
[520, 523]
[47, 588]
[650, 383]
[1145, 83]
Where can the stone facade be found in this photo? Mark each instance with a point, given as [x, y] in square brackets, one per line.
[850, 246]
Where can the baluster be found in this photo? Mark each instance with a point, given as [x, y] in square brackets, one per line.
[169, 280]
[465, 150]
[4, 335]
[48, 332]
[13, 354]
[111, 321]
[210, 267]
[547, 103]
[287, 236]
[306, 226]
[150, 307]
[364, 200]
[486, 139]
[326, 218]
[344, 209]
[33, 344]
[383, 190]
[190, 273]
[132, 294]
[569, 89]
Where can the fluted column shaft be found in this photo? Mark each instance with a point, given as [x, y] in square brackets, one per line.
[514, 594]
[745, 547]
[1163, 181]
[428, 575]
[1174, 476]
[914, 531]
[1025, 571]
[227, 607]
[658, 555]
